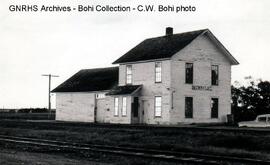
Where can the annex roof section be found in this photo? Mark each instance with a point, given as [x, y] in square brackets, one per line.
[124, 90]
[159, 47]
[90, 80]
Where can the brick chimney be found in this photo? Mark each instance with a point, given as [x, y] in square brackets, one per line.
[169, 31]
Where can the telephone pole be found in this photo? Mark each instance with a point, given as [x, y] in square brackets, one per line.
[49, 96]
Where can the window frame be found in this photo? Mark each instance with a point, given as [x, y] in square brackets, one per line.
[214, 115]
[124, 106]
[186, 108]
[158, 72]
[214, 82]
[260, 119]
[116, 106]
[129, 74]
[189, 80]
[155, 107]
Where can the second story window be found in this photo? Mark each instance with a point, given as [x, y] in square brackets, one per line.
[214, 74]
[129, 74]
[158, 72]
[189, 73]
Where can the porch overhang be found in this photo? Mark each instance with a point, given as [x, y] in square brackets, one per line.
[125, 90]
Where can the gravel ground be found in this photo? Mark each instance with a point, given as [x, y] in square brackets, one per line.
[13, 157]
[20, 154]
[227, 142]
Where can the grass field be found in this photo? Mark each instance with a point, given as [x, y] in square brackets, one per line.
[27, 116]
[249, 144]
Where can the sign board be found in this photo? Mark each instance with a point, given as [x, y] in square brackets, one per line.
[201, 88]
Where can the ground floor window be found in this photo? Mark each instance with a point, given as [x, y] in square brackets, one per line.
[214, 108]
[116, 106]
[124, 106]
[158, 101]
[189, 107]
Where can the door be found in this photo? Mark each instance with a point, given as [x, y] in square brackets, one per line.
[135, 110]
[136, 107]
[100, 110]
[144, 114]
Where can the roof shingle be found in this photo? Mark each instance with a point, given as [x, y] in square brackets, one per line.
[159, 47]
[90, 80]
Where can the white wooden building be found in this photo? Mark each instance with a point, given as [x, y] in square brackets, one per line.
[172, 79]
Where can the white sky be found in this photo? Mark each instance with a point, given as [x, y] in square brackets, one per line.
[32, 43]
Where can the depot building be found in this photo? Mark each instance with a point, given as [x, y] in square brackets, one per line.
[171, 79]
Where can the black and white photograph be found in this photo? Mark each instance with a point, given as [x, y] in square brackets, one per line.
[134, 82]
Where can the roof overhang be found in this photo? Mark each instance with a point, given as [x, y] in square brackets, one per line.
[100, 91]
[143, 61]
[125, 90]
[232, 60]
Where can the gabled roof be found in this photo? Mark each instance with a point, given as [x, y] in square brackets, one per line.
[222, 47]
[90, 80]
[159, 47]
[124, 90]
[165, 47]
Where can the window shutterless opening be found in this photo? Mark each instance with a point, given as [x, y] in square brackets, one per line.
[214, 108]
[189, 73]
[158, 76]
[158, 106]
[188, 107]
[262, 119]
[129, 74]
[116, 106]
[214, 74]
[124, 106]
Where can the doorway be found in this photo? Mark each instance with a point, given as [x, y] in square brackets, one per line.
[135, 110]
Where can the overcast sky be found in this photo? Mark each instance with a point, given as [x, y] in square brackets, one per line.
[34, 43]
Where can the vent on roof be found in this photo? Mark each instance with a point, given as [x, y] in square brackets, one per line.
[169, 31]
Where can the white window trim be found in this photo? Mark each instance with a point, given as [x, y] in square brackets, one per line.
[129, 74]
[155, 108]
[116, 106]
[158, 72]
[211, 106]
[186, 64]
[192, 107]
[124, 106]
[217, 67]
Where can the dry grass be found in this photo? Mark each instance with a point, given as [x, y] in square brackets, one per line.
[230, 143]
[27, 116]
